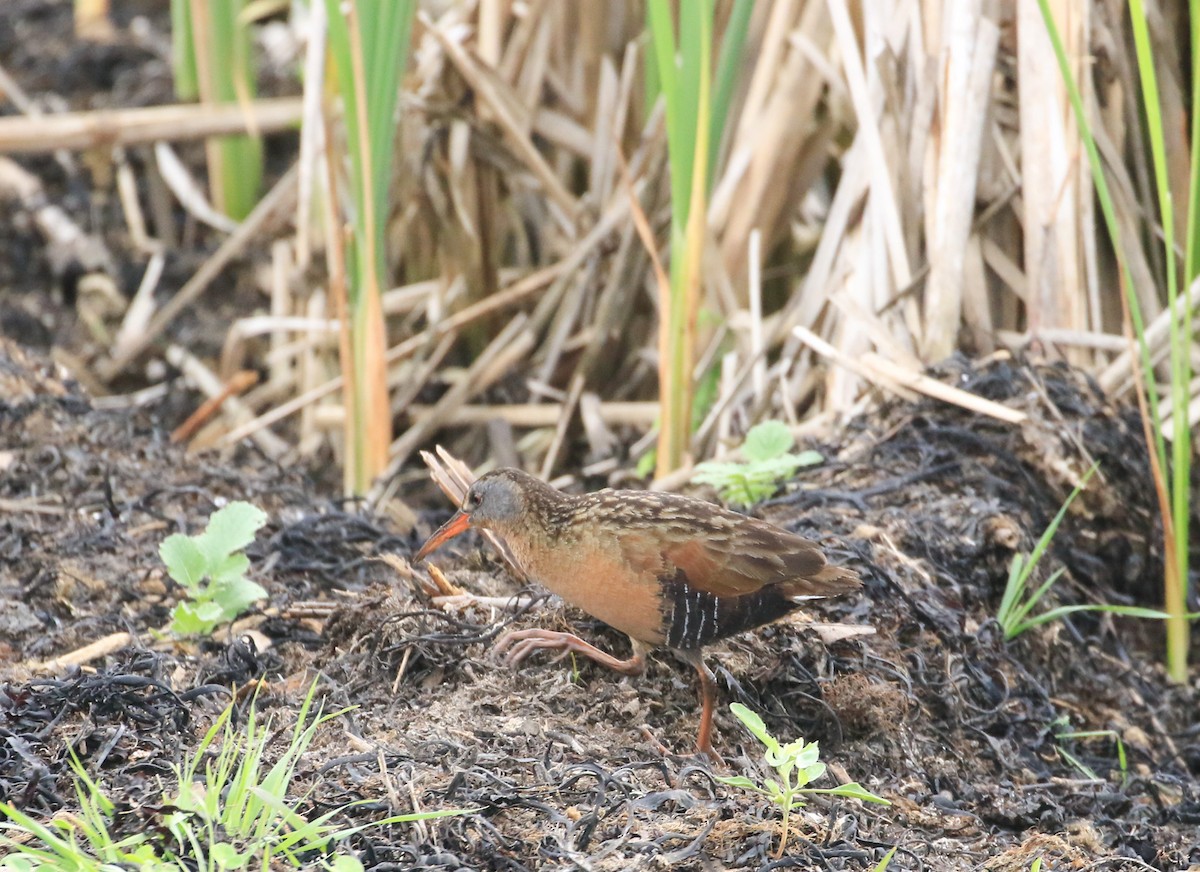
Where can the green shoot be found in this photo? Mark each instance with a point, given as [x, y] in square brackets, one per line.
[769, 459]
[1017, 603]
[231, 812]
[214, 556]
[368, 40]
[213, 62]
[882, 865]
[57, 845]
[1088, 772]
[1174, 491]
[696, 110]
[1036, 865]
[796, 764]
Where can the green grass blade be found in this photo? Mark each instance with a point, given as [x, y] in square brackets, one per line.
[1048, 535]
[1018, 575]
[1087, 771]
[1179, 343]
[1062, 611]
[662, 37]
[886, 861]
[695, 41]
[729, 63]
[1152, 108]
[1017, 617]
[183, 51]
[1191, 261]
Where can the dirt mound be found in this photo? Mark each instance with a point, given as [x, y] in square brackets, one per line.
[571, 765]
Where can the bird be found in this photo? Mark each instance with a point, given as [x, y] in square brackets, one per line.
[665, 569]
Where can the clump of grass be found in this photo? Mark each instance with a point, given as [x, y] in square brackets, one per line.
[1017, 602]
[231, 811]
[1088, 772]
[796, 764]
[769, 459]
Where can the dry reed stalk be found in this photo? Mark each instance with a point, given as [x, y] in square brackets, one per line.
[1110, 342]
[239, 383]
[141, 308]
[1055, 182]
[314, 368]
[102, 647]
[1193, 415]
[408, 382]
[967, 58]
[187, 191]
[105, 128]
[213, 387]
[510, 113]
[566, 415]
[518, 206]
[277, 201]
[889, 375]
[1118, 376]
[882, 203]
[511, 345]
[779, 124]
[131, 208]
[235, 350]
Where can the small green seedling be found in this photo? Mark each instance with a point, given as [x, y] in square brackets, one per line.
[769, 459]
[1088, 772]
[1015, 605]
[796, 763]
[229, 808]
[214, 555]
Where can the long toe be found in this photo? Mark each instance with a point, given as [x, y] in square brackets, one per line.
[511, 639]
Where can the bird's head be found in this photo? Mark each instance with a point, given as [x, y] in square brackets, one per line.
[496, 501]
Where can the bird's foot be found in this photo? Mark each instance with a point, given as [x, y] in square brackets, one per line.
[514, 647]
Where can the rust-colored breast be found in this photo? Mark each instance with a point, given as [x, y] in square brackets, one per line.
[591, 571]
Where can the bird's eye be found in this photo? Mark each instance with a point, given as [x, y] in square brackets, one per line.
[474, 498]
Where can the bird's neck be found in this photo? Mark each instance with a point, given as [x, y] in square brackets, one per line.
[545, 514]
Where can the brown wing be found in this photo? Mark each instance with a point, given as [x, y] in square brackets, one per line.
[729, 555]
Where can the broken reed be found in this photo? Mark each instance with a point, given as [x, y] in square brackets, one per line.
[696, 109]
[369, 41]
[213, 62]
[1170, 471]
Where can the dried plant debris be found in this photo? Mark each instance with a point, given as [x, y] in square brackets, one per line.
[571, 765]
[125, 716]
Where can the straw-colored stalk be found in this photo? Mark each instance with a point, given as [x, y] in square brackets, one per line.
[1055, 191]
[91, 19]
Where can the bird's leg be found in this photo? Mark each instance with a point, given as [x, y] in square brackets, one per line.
[519, 644]
[708, 696]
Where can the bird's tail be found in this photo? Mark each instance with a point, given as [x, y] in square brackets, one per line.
[830, 581]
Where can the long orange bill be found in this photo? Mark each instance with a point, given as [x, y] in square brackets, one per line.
[458, 524]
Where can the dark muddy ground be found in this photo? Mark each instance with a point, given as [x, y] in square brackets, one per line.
[935, 711]
[577, 768]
